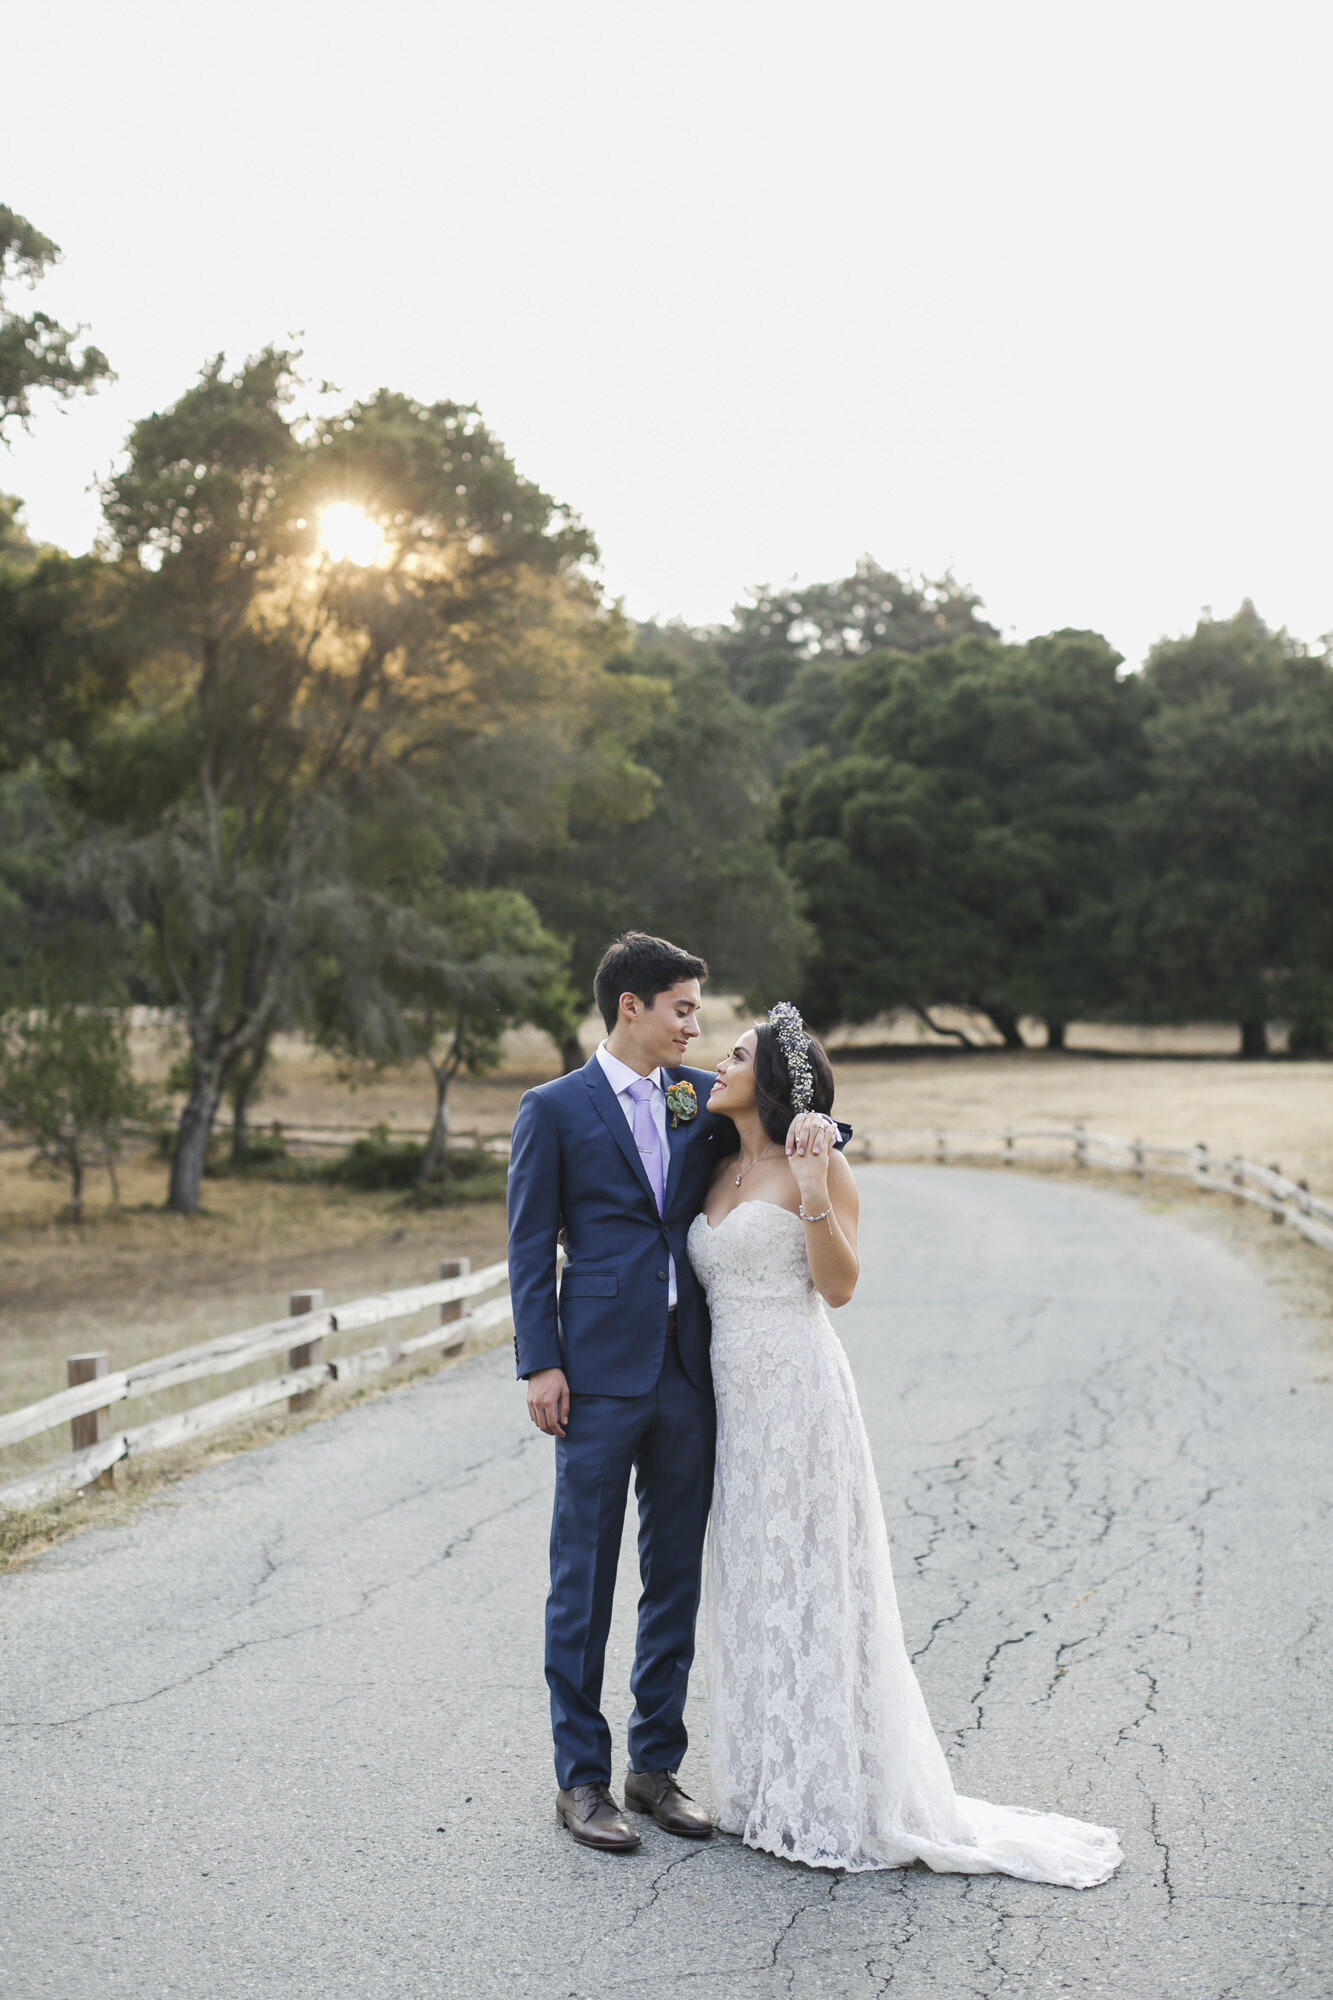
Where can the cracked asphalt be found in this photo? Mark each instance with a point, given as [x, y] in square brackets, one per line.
[285, 1734]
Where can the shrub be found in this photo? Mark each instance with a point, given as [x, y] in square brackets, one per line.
[376, 1163]
[379, 1163]
[464, 1174]
[265, 1156]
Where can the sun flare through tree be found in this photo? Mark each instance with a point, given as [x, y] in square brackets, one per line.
[349, 534]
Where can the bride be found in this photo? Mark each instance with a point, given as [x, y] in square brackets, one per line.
[822, 1750]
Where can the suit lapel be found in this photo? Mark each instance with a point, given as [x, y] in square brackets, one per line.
[678, 1137]
[609, 1110]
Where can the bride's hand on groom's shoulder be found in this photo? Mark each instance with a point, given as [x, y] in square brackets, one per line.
[811, 1138]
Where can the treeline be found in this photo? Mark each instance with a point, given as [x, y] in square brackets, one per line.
[1029, 830]
[397, 784]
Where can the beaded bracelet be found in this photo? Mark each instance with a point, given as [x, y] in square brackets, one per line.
[822, 1217]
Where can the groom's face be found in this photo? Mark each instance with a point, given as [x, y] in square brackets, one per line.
[666, 1028]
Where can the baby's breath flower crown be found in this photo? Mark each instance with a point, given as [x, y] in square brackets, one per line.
[794, 1041]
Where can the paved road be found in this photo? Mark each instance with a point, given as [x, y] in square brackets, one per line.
[285, 1735]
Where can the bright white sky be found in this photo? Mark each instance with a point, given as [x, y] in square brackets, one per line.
[1038, 289]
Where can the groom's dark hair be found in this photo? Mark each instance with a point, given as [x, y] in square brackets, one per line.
[643, 965]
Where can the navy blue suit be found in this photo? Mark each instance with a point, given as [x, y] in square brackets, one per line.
[638, 1399]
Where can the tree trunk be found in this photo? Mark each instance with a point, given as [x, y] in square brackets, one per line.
[185, 1189]
[1007, 1024]
[938, 1028]
[571, 1051]
[1055, 1034]
[75, 1183]
[439, 1131]
[1253, 1039]
[244, 1083]
[240, 1126]
[444, 1074]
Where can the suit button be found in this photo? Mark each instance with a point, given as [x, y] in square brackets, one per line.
[662, 1277]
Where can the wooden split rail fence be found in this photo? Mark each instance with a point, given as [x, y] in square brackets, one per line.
[1287, 1201]
[87, 1404]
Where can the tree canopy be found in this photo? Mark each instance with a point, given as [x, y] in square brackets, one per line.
[1026, 830]
[290, 709]
[954, 846]
[1228, 845]
[788, 652]
[36, 352]
[872, 610]
[699, 866]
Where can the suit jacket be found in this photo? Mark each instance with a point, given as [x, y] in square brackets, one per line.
[574, 1164]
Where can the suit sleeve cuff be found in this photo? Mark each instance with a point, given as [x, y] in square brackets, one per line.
[526, 1365]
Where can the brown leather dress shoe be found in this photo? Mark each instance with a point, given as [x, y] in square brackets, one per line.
[594, 1818]
[657, 1792]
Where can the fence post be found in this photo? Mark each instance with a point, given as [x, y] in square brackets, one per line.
[1237, 1180]
[1276, 1213]
[1080, 1145]
[1304, 1187]
[308, 1352]
[93, 1425]
[1137, 1150]
[456, 1309]
[1008, 1145]
[1200, 1162]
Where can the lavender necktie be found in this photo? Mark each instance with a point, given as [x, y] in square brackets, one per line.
[647, 1137]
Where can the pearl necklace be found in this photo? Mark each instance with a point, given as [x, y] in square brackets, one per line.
[754, 1162]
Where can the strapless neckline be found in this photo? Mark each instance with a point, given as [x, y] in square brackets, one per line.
[753, 1201]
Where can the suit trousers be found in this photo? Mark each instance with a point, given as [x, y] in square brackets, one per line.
[667, 1438]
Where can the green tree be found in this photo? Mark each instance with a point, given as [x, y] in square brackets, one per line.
[871, 611]
[18, 551]
[68, 1090]
[957, 845]
[439, 978]
[1226, 910]
[285, 698]
[36, 352]
[56, 937]
[64, 650]
[699, 866]
[787, 651]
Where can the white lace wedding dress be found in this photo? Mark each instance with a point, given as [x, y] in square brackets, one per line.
[822, 1750]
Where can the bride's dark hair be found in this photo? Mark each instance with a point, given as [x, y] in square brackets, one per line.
[772, 1084]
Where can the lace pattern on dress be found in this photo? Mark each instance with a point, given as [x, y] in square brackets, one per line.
[822, 1750]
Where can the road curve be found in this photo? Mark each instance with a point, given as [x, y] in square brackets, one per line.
[285, 1734]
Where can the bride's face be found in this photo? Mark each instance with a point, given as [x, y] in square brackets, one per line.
[734, 1089]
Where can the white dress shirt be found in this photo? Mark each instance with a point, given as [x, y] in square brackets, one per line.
[620, 1076]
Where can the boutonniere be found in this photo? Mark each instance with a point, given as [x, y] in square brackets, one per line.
[682, 1103]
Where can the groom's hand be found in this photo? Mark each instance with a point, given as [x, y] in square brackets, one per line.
[548, 1401]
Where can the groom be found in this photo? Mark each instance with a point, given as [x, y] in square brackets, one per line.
[619, 1155]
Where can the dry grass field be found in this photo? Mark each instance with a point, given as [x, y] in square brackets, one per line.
[1269, 1112]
